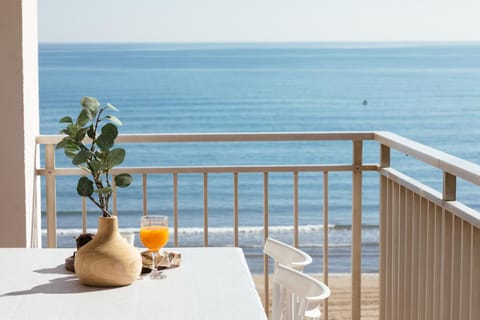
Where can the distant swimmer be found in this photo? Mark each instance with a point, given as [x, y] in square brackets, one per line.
[365, 102]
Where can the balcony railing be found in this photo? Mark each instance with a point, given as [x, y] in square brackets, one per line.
[429, 242]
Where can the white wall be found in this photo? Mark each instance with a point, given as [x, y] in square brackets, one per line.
[19, 122]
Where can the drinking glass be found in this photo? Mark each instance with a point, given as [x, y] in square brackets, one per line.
[154, 235]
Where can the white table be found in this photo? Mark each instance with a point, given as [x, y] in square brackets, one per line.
[211, 283]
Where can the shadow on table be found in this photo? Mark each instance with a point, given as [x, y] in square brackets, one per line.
[68, 284]
[60, 269]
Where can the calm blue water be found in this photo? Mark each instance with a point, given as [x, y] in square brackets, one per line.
[426, 92]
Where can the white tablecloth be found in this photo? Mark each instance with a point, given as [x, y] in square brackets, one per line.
[211, 283]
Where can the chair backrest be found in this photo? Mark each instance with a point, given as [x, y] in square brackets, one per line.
[285, 254]
[296, 287]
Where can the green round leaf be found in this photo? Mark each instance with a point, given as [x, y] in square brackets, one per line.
[100, 155]
[71, 149]
[123, 180]
[96, 165]
[89, 102]
[81, 134]
[66, 120]
[72, 130]
[82, 157]
[83, 118]
[65, 141]
[104, 142]
[110, 130]
[91, 105]
[116, 157]
[59, 145]
[84, 187]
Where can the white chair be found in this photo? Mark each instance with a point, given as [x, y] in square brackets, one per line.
[282, 253]
[304, 290]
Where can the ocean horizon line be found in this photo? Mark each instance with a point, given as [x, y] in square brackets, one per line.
[318, 44]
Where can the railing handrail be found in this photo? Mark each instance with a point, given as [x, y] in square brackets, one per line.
[228, 137]
[448, 163]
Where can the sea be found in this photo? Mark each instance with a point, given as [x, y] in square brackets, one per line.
[427, 92]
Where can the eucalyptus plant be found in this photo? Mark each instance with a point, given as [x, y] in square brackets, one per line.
[89, 143]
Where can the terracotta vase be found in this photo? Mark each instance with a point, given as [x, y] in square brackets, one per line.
[108, 260]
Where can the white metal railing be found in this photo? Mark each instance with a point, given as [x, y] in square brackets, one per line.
[392, 233]
[430, 243]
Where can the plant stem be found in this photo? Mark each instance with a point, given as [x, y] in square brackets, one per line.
[104, 211]
[95, 129]
[102, 199]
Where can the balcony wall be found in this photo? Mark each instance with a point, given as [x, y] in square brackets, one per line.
[20, 125]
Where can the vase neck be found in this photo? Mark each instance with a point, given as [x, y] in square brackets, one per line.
[107, 226]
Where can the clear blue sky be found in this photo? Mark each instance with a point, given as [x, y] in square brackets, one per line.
[258, 20]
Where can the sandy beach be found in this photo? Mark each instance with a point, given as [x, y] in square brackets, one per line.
[339, 303]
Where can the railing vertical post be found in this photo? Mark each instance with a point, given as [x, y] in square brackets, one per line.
[205, 209]
[475, 275]
[175, 208]
[265, 236]
[384, 156]
[449, 187]
[446, 268]
[235, 208]
[295, 209]
[384, 163]
[144, 194]
[357, 229]
[51, 202]
[325, 239]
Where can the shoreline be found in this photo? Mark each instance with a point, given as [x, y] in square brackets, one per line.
[339, 302]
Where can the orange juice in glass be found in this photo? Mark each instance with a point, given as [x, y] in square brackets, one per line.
[154, 235]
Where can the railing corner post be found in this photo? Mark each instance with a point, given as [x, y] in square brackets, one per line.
[449, 187]
[357, 228]
[384, 156]
[50, 190]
